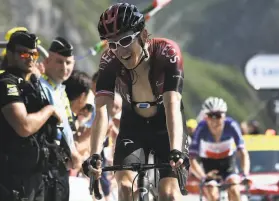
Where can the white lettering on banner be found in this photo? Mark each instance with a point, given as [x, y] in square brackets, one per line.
[262, 71]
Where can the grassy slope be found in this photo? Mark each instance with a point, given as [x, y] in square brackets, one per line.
[203, 79]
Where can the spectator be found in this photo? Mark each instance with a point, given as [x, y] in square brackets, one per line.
[86, 114]
[83, 136]
[24, 123]
[80, 96]
[58, 67]
[191, 126]
[270, 132]
[244, 128]
[77, 88]
[254, 127]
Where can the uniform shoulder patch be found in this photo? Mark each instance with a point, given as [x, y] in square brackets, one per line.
[12, 90]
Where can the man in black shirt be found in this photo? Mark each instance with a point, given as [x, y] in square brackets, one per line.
[23, 117]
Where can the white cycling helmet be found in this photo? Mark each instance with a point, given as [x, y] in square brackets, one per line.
[214, 104]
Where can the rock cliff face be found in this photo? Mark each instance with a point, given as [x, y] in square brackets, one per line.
[73, 19]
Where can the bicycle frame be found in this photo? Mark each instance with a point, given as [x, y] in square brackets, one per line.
[143, 182]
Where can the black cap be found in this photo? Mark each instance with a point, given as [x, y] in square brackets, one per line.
[61, 46]
[24, 39]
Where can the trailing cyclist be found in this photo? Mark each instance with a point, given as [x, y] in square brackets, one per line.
[214, 143]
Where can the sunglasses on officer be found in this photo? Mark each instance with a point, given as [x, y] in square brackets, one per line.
[215, 115]
[123, 42]
[26, 54]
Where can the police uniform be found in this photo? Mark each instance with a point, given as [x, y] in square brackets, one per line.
[21, 158]
[58, 188]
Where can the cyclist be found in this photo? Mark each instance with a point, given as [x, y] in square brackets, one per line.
[148, 74]
[214, 142]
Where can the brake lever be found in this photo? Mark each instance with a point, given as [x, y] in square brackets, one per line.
[94, 187]
[94, 184]
[182, 175]
[97, 193]
[91, 184]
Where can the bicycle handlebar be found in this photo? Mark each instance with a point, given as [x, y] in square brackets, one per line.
[138, 167]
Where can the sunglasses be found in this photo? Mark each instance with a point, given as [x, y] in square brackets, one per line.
[88, 107]
[27, 55]
[215, 115]
[123, 42]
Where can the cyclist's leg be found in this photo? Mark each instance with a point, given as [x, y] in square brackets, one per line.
[234, 190]
[168, 184]
[169, 189]
[211, 191]
[128, 150]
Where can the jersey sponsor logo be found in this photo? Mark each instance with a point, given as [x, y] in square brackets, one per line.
[127, 141]
[217, 150]
[128, 98]
[20, 80]
[143, 105]
[160, 99]
[159, 84]
[179, 76]
[170, 52]
[12, 90]
[143, 191]
[214, 155]
[107, 57]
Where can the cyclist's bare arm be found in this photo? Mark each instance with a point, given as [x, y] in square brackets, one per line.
[174, 120]
[241, 150]
[244, 160]
[197, 169]
[172, 90]
[100, 124]
[23, 123]
[194, 150]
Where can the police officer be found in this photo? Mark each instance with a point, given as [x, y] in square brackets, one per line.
[58, 68]
[23, 117]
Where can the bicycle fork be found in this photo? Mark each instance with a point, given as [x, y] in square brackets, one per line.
[143, 186]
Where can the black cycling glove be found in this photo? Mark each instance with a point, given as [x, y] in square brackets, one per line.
[181, 172]
[175, 155]
[92, 160]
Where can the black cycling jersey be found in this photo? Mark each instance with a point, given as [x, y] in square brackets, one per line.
[166, 73]
[139, 135]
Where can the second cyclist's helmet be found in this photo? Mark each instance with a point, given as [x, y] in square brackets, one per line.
[214, 104]
[120, 18]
